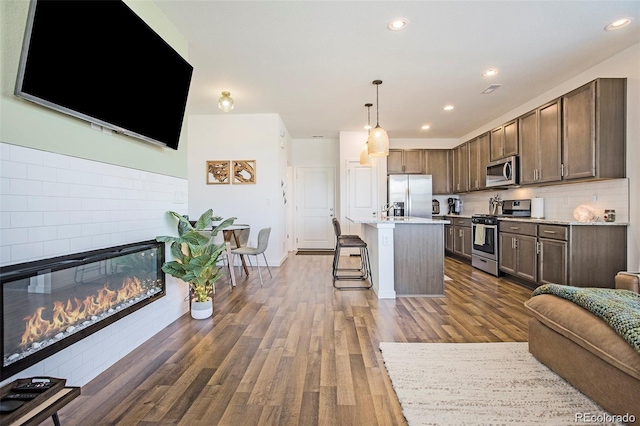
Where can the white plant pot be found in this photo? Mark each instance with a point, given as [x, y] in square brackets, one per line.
[201, 310]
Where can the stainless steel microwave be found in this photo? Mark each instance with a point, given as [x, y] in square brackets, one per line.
[503, 172]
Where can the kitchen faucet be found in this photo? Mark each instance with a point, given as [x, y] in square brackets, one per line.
[387, 208]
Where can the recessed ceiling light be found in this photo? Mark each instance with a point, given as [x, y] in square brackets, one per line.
[368, 127]
[425, 127]
[490, 72]
[398, 24]
[448, 108]
[616, 25]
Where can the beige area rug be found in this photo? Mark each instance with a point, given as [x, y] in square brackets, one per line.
[480, 383]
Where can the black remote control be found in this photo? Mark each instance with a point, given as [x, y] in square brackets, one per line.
[25, 396]
[33, 387]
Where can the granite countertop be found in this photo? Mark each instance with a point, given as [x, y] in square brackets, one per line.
[545, 221]
[562, 222]
[409, 220]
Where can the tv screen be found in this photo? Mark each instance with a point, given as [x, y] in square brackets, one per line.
[98, 61]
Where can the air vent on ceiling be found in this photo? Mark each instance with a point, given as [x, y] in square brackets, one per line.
[317, 136]
[490, 89]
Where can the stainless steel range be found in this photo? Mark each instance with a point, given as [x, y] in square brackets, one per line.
[485, 250]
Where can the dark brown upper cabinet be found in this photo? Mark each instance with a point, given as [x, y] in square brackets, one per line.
[504, 140]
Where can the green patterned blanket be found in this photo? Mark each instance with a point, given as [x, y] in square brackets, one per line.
[619, 308]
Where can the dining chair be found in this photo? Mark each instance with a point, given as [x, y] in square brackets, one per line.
[263, 242]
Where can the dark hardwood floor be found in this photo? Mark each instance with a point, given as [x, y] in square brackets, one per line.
[294, 352]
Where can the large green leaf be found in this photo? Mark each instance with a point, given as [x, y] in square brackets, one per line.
[205, 220]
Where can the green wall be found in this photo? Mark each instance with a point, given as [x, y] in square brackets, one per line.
[27, 124]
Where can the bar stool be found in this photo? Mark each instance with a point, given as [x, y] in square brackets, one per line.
[364, 272]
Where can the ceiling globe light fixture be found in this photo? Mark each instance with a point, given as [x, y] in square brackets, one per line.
[378, 139]
[616, 25]
[365, 158]
[225, 103]
[398, 24]
[490, 72]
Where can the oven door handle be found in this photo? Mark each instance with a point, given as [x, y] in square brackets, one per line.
[486, 226]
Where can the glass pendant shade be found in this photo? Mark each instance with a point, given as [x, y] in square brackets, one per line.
[225, 103]
[378, 142]
[365, 158]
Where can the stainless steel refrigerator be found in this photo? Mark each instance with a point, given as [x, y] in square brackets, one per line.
[413, 191]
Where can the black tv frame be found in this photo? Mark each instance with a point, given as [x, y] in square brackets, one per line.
[19, 92]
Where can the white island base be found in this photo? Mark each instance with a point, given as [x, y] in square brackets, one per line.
[407, 255]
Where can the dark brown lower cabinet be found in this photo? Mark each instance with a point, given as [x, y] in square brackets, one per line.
[462, 242]
[448, 238]
[553, 262]
[518, 256]
[576, 255]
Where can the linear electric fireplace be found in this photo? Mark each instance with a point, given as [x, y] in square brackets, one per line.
[50, 304]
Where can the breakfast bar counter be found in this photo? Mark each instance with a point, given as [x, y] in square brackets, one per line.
[407, 255]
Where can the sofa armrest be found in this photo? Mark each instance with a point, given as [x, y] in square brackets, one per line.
[628, 281]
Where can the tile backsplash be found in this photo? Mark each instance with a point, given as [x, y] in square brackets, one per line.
[561, 200]
[53, 204]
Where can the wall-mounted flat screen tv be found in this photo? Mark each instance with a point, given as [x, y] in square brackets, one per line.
[99, 61]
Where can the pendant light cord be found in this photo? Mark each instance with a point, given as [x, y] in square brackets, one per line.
[377, 107]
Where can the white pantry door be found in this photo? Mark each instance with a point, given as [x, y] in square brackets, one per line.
[362, 197]
[315, 207]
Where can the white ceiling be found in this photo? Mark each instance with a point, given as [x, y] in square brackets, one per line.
[313, 62]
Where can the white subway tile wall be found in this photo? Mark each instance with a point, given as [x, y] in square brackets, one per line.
[561, 200]
[53, 204]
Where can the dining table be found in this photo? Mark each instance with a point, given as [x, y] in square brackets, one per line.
[228, 233]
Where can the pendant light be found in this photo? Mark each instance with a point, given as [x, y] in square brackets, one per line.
[378, 139]
[365, 158]
[225, 103]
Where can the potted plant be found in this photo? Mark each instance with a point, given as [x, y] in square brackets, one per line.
[216, 220]
[195, 257]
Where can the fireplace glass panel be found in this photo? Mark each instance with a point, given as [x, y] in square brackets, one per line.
[48, 305]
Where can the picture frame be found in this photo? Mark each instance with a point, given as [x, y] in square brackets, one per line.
[218, 172]
[244, 172]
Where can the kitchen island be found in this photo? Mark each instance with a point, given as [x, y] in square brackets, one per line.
[407, 255]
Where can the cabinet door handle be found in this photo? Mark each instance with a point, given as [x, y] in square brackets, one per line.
[538, 247]
[549, 232]
[514, 227]
[515, 242]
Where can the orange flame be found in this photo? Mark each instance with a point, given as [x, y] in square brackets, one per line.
[72, 312]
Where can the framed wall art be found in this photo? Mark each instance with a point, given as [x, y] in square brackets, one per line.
[244, 171]
[218, 172]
